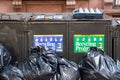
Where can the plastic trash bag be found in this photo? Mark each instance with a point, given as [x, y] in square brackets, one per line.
[5, 57]
[46, 53]
[67, 70]
[41, 64]
[96, 65]
[37, 68]
[29, 67]
[11, 73]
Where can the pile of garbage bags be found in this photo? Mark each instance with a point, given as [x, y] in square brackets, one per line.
[96, 65]
[43, 64]
[66, 70]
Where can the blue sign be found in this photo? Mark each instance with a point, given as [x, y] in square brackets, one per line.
[54, 42]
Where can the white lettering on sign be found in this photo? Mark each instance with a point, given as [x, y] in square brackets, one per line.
[46, 39]
[60, 39]
[77, 39]
[36, 40]
[84, 46]
[50, 39]
[41, 39]
[95, 39]
[83, 39]
[48, 44]
[55, 39]
[89, 39]
[100, 39]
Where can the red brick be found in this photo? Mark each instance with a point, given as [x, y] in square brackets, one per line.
[6, 6]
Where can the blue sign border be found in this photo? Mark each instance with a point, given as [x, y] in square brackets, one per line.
[54, 42]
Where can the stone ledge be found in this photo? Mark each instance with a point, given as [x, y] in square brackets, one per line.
[112, 12]
[108, 1]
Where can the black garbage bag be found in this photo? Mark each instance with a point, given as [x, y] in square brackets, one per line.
[11, 73]
[96, 65]
[67, 70]
[118, 64]
[5, 57]
[117, 74]
[47, 54]
[29, 67]
[41, 64]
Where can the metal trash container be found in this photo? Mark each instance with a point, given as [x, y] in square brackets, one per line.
[116, 42]
[88, 33]
[12, 36]
[51, 33]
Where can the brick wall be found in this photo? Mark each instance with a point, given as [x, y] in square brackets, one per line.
[57, 6]
[48, 5]
[43, 6]
[110, 10]
[6, 6]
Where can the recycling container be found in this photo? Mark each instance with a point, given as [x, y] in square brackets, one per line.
[13, 37]
[50, 33]
[116, 42]
[84, 34]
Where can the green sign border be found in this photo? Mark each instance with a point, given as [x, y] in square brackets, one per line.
[82, 42]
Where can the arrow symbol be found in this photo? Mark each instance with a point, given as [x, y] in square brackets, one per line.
[55, 39]
[50, 39]
[60, 39]
[36, 40]
[46, 39]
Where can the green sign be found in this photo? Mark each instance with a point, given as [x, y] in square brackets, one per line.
[82, 43]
